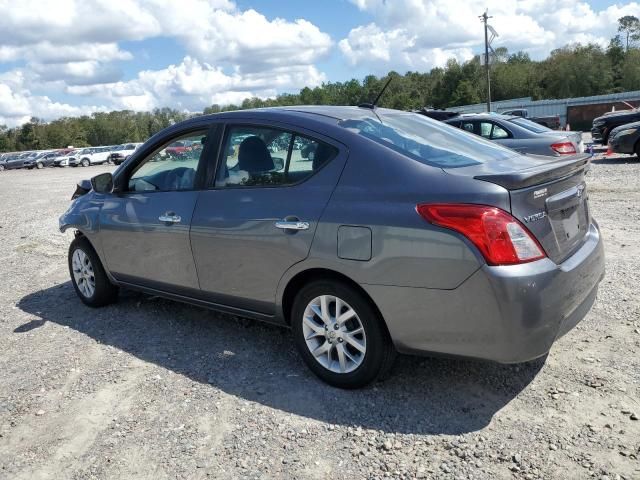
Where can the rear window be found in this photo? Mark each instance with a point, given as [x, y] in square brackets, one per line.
[427, 141]
[529, 125]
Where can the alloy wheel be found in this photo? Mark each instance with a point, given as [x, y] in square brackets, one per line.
[334, 334]
[83, 273]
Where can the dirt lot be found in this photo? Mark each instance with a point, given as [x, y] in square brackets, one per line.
[153, 389]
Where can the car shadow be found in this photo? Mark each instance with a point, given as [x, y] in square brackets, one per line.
[626, 160]
[258, 362]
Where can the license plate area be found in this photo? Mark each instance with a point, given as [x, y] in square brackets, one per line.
[569, 216]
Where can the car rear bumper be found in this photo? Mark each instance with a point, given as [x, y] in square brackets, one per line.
[508, 314]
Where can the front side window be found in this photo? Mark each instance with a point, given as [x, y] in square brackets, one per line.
[485, 129]
[260, 156]
[170, 168]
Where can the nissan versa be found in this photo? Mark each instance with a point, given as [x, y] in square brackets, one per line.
[367, 231]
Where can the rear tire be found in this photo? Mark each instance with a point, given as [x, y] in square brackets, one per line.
[88, 277]
[346, 354]
[637, 149]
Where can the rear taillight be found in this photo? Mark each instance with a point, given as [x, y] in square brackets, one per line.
[564, 148]
[501, 238]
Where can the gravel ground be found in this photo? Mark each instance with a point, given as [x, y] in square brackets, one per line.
[153, 389]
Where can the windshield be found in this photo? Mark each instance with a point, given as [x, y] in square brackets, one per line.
[529, 125]
[427, 141]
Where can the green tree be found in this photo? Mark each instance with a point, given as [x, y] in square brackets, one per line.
[629, 26]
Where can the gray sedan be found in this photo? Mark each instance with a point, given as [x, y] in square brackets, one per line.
[520, 134]
[367, 232]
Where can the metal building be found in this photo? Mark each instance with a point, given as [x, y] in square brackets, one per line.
[573, 110]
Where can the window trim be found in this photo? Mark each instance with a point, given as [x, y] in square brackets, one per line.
[220, 158]
[123, 179]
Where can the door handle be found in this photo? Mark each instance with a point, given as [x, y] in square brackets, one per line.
[295, 225]
[170, 217]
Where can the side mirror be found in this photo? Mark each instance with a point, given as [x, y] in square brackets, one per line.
[278, 163]
[102, 183]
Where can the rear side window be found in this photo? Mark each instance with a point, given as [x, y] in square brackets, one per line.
[260, 157]
[425, 140]
[468, 127]
[499, 132]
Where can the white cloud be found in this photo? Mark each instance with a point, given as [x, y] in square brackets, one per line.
[46, 52]
[18, 105]
[193, 85]
[375, 47]
[415, 34]
[73, 46]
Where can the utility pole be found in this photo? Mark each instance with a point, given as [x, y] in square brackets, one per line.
[484, 17]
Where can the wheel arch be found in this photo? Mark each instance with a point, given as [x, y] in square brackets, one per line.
[313, 274]
[79, 233]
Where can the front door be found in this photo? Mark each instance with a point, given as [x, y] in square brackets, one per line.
[145, 228]
[260, 214]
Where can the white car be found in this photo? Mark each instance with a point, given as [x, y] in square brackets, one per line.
[69, 159]
[122, 152]
[92, 156]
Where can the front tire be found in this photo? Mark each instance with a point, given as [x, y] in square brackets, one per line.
[85, 162]
[340, 335]
[88, 277]
[39, 166]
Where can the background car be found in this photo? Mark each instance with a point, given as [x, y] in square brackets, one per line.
[177, 149]
[436, 114]
[520, 134]
[3, 158]
[625, 139]
[70, 159]
[401, 233]
[603, 125]
[551, 121]
[122, 152]
[43, 159]
[18, 160]
[6, 159]
[92, 156]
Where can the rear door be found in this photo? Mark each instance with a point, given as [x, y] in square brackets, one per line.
[144, 228]
[260, 213]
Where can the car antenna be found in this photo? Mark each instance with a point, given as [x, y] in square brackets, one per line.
[372, 106]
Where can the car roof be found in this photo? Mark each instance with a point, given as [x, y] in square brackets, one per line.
[329, 113]
[486, 116]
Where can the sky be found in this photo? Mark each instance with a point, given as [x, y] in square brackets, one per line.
[74, 57]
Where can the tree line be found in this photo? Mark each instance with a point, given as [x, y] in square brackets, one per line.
[572, 71]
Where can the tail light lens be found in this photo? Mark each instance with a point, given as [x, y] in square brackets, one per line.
[501, 238]
[564, 148]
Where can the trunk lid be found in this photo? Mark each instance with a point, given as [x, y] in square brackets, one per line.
[548, 197]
